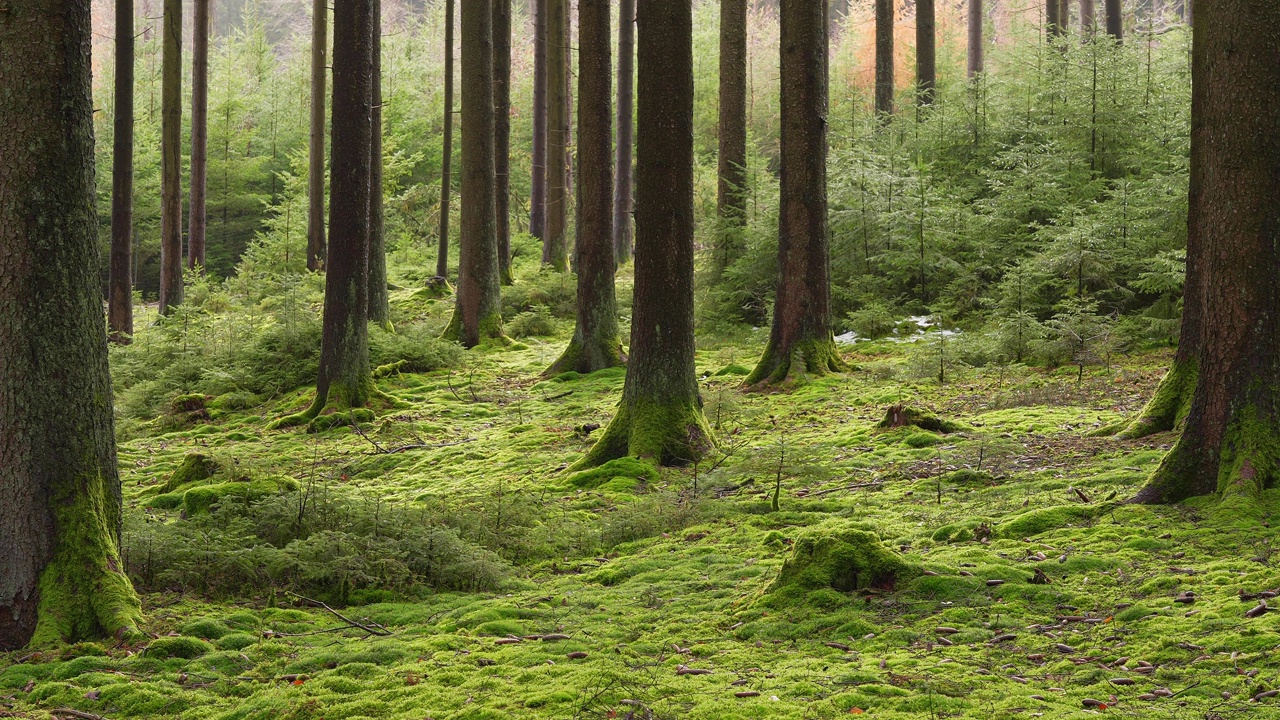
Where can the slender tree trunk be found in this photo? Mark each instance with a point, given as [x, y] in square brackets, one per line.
[622, 205]
[60, 509]
[596, 343]
[801, 341]
[977, 61]
[555, 246]
[660, 416]
[120, 295]
[1064, 16]
[171, 160]
[1052, 18]
[379, 297]
[732, 198]
[885, 17]
[315, 173]
[1088, 18]
[502, 125]
[197, 218]
[538, 187]
[926, 52]
[1231, 439]
[1115, 20]
[478, 313]
[446, 159]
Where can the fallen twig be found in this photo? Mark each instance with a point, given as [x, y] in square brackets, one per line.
[371, 628]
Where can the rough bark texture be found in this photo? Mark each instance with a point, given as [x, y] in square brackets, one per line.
[555, 243]
[1231, 440]
[731, 198]
[596, 343]
[60, 578]
[379, 298]
[197, 219]
[502, 132]
[885, 16]
[446, 158]
[538, 183]
[171, 159]
[977, 56]
[120, 290]
[623, 232]
[801, 341]
[660, 416]
[926, 52]
[1115, 21]
[478, 314]
[315, 173]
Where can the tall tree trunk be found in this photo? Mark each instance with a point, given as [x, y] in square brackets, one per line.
[1231, 439]
[801, 341]
[1115, 20]
[538, 184]
[1064, 16]
[171, 160]
[926, 52]
[379, 297]
[622, 227]
[1052, 18]
[977, 60]
[555, 246]
[1088, 18]
[885, 17]
[660, 416]
[732, 198]
[478, 313]
[345, 380]
[315, 173]
[502, 139]
[60, 508]
[197, 219]
[120, 295]
[446, 158]
[596, 343]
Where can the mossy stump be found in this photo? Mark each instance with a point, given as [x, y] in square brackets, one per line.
[837, 558]
[900, 416]
[195, 467]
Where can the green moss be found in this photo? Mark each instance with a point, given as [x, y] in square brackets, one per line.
[195, 467]
[347, 418]
[921, 440]
[186, 648]
[960, 532]
[671, 433]
[205, 629]
[625, 467]
[966, 476]
[201, 499]
[900, 416]
[832, 556]
[1035, 522]
[732, 369]
[1169, 405]
[236, 641]
[811, 357]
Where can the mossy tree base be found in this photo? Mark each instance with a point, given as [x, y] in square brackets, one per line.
[336, 400]
[900, 416]
[588, 357]
[674, 433]
[778, 367]
[1168, 408]
[488, 329]
[1244, 463]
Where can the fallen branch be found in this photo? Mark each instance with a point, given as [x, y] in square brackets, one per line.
[76, 714]
[371, 628]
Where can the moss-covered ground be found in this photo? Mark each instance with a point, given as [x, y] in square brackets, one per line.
[658, 576]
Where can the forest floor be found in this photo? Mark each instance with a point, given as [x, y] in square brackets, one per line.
[673, 573]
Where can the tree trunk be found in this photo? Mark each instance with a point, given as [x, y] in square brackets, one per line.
[555, 247]
[379, 297]
[446, 159]
[345, 380]
[1231, 439]
[60, 506]
[538, 186]
[1088, 18]
[977, 61]
[197, 219]
[1052, 18]
[478, 314]
[732, 198]
[885, 17]
[1064, 16]
[926, 52]
[315, 173]
[622, 228]
[596, 343]
[171, 160]
[801, 341]
[502, 139]
[120, 295]
[1115, 20]
[660, 416]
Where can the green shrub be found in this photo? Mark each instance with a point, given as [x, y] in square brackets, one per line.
[537, 322]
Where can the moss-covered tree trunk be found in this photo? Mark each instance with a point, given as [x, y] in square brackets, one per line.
[801, 341]
[478, 314]
[538, 183]
[120, 284]
[1115, 20]
[197, 220]
[61, 578]
[171, 159]
[926, 52]
[555, 242]
[1231, 439]
[976, 56]
[446, 157]
[731, 196]
[502, 133]
[660, 416]
[315, 172]
[622, 227]
[596, 343]
[379, 297]
[885, 16]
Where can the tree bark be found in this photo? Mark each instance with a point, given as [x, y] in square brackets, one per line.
[732, 198]
[446, 159]
[885, 17]
[315, 173]
[977, 60]
[1231, 440]
[478, 313]
[502, 125]
[1115, 20]
[379, 296]
[197, 219]
[120, 293]
[926, 52]
[596, 343]
[801, 341]
[660, 416]
[622, 205]
[60, 506]
[171, 159]
[555, 246]
[1064, 16]
[538, 186]
[1088, 18]
[1052, 18]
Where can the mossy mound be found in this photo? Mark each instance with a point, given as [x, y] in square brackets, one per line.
[201, 498]
[919, 440]
[1035, 522]
[187, 648]
[205, 629]
[836, 558]
[899, 416]
[732, 370]
[346, 418]
[236, 641]
[195, 467]
[610, 473]
[966, 476]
